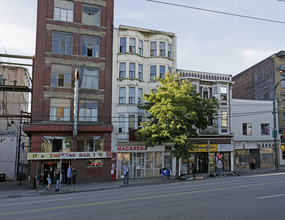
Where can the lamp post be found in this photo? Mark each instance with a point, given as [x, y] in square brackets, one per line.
[282, 73]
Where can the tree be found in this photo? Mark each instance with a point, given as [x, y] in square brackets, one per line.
[176, 111]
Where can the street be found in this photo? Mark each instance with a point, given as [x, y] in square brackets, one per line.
[237, 197]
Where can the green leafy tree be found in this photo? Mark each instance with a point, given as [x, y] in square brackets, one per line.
[176, 111]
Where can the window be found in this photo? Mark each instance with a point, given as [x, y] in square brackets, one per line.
[56, 144]
[162, 72]
[122, 95]
[162, 49]
[132, 70]
[246, 129]
[170, 51]
[61, 75]
[59, 110]
[89, 78]
[63, 10]
[224, 119]
[132, 95]
[140, 71]
[91, 15]
[88, 110]
[132, 46]
[121, 124]
[223, 93]
[264, 129]
[123, 45]
[140, 47]
[62, 43]
[90, 46]
[140, 96]
[139, 121]
[131, 121]
[169, 70]
[89, 144]
[205, 93]
[122, 71]
[215, 91]
[152, 48]
[152, 73]
[283, 82]
[95, 163]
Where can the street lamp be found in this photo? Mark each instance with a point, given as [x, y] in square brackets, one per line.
[281, 70]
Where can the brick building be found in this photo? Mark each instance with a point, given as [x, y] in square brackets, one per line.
[72, 89]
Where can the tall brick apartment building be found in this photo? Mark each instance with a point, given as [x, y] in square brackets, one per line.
[72, 81]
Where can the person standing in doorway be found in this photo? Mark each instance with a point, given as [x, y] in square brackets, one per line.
[49, 178]
[252, 162]
[74, 176]
[220, 167]
[57, 179]
[126, 173]
[68, 175]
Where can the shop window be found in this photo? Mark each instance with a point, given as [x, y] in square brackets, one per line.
[88, 110]
[264, 129]
[89, 78]
[122, 70]
[90, 46]
[63, 10]
[152, 49]
[59, 110]
[62, 43]
[61, 75]
[90, 144]
[91, 15]
[246, 129]
[95, 163]
[56, 144]
[123, 45]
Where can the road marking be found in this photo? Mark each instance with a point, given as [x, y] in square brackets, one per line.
[261, 175]
[141, 198]
[274, 196]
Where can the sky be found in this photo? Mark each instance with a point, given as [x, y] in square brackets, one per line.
[206, 41]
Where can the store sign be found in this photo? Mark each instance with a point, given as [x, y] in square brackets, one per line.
[130, 148]
[205, 148]
[225, 147]
[69, 155]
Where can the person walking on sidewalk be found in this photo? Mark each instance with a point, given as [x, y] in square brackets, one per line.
[74, 176]
[57, 179]
[220, 167]
[126, 173]
[49, 177]
[38, 180]
[68, 175]
[252, 162]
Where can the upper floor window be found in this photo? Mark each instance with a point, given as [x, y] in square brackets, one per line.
[264, 129]
[162, 49]
[223, 93]
[140, 71]
[132, 95]
[132, 70]
[89, 78]
[56, 144]
[205, 93]
[88, 110]
[162, 72]
[140, 47]
[215, 91]
[131, 121]
[152, 48]
[59, 110]
[91, 15]
[139, 121]
[63, 10]
[90, 144]
[224, 119]
[123, 45]
[152, 73]
[122, 70]
[62, 43]
[61, 75]
[246, 129]
[170, 51]
[122, 95]
[132, 46]
[140, 96]
[121, 124]
[90, 46]
[169, 70]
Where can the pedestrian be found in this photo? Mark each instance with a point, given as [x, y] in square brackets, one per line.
[68, 175]
[166, 174]
[161, 171]
[57, 179]
[63, 176]
[49, 178]
[19, 178]
[74, 176]
[126, 173]
[38, 180]
[220, 167]
[252, 162]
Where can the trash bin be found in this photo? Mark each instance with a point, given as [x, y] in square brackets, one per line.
[2, 177]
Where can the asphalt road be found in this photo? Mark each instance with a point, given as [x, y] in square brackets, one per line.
[241, 197]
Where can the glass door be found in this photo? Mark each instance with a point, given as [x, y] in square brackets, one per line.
[139, 165]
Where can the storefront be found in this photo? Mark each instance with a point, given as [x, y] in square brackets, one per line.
[142, 162]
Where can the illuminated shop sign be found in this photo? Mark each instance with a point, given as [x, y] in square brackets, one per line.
[130, 148]
[69, 155]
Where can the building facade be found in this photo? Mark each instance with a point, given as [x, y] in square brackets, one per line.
[216, 141]
[252, 125]
[14, 83]
[257, 83]
[139, 56]
[72, 89]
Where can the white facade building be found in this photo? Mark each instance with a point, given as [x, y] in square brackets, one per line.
[139, 55]
[252, 125]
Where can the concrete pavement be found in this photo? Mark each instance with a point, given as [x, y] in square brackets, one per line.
[10, 189]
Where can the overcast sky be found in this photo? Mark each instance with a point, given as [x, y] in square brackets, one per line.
[206, 41]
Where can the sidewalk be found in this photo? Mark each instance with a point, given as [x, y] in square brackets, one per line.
[10, 189]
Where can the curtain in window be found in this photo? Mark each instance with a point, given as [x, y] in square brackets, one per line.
[91, 15]
[91, 43]
[89, 78]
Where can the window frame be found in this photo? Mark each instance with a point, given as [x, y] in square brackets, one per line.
[88, 80]
[162, 49]
[140, 47]
[87, 17]
[63, 70]
[123, 44]
[132, 95]
[59, 109]
[63, 11]
[86, 42]
[132, 45]
[132, 70]
[140, 71]
[153, 49]
[84, 112]
[153, 74]
[247, 129]
[64, 40]
[122, 70]
[122, 95]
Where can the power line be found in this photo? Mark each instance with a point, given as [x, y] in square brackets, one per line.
[218, 12]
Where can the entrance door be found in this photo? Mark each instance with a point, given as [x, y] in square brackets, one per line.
[139, 165]
[256, 154]
[201, 161]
